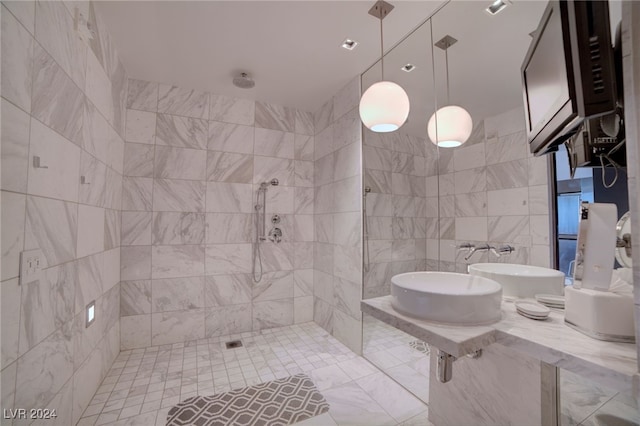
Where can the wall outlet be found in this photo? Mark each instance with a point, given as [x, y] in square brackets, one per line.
[31, 262]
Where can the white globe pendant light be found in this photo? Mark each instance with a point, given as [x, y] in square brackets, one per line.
[449, 126]
[384, 106]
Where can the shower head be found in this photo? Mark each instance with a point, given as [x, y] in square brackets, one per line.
[243, 81]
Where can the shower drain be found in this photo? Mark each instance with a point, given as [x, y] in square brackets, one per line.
[234, 344]
[420, 346]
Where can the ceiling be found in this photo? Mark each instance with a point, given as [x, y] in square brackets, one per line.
[291, 48]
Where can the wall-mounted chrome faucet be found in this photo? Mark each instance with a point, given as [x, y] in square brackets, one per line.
[472, 249]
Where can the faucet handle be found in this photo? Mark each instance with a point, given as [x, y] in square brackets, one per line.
[506, 249]
[465, 246]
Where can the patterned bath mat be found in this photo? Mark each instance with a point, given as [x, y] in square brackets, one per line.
[420, 346]
[278, 402]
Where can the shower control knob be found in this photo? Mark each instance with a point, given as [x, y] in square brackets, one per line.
[275, 235]
[275, 219]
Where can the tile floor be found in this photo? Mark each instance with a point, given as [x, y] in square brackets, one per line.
[143, 384]
[391, 351]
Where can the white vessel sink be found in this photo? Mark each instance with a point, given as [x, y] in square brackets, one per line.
[521, 280]
[447, 298]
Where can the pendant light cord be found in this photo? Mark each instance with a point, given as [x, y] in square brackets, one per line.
[446, 61]
[381, 48]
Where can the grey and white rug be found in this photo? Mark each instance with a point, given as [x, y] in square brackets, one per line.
[278, 402]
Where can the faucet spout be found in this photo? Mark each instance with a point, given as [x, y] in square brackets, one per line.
[484, 247]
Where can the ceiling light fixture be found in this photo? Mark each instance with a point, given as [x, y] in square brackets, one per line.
[408, 68]
[384, 106]
[449, 126]
[497, 7]
[349, 44]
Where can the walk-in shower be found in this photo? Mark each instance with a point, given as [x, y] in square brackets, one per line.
[260, 222]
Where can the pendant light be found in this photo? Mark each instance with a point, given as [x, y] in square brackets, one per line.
[384, 106]
[449, 126]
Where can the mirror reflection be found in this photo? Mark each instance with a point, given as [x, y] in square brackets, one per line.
[488, 200]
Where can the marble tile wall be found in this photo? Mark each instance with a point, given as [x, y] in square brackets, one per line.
[62, 100]
[192, 163]
[337, 254]
[398, 168]
[491, 189]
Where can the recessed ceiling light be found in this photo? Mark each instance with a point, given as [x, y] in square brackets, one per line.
[349, 44]
[497, 6]
[408, 68]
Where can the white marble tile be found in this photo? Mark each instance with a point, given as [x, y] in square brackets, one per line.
[185, 102]
[135, 297]
[178, 326]
[97, 133]
[539, 199]
[229, 197]
[44, 370]
[275, 117]
[347, 130]
[225, 290]
[62, 177]
[540, 231]
[135, 331]
[302, 309]
[170, 228]
[304, 123]
[303, 228]
[303, 255]
[178, 195]
[227, 259]
[178, 163]
[303, 147]
[177, 261]
[93, 191]
[267, 168]
[15, 148]
[12, 212]
[511, 174]
[181, 132]
[273, 143]
[138, 160]
[231, 110]
[469, 157]
[392, 397]
[140, 127]
[507, 148]
[230, 137]
[142, 95]
[99, 89]
[10, 291]
[135, 263]
[136, 228]
[90, 283]
[24, 11]
[323, 116]
[347, 296]
[229, 228]
[137, 193]
[229, 167]
[51, 225]
[512, 229]
[351, 405]
[273, 313]
[273, 286]
[17, 59]
[348, 162]
[506, 202]
[177, 294]
[278, 257]
[90, 230]
[227, 320]
[473, 180]
[471, 228]
[53, 26]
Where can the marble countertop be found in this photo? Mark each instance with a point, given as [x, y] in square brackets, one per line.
[551, 341]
